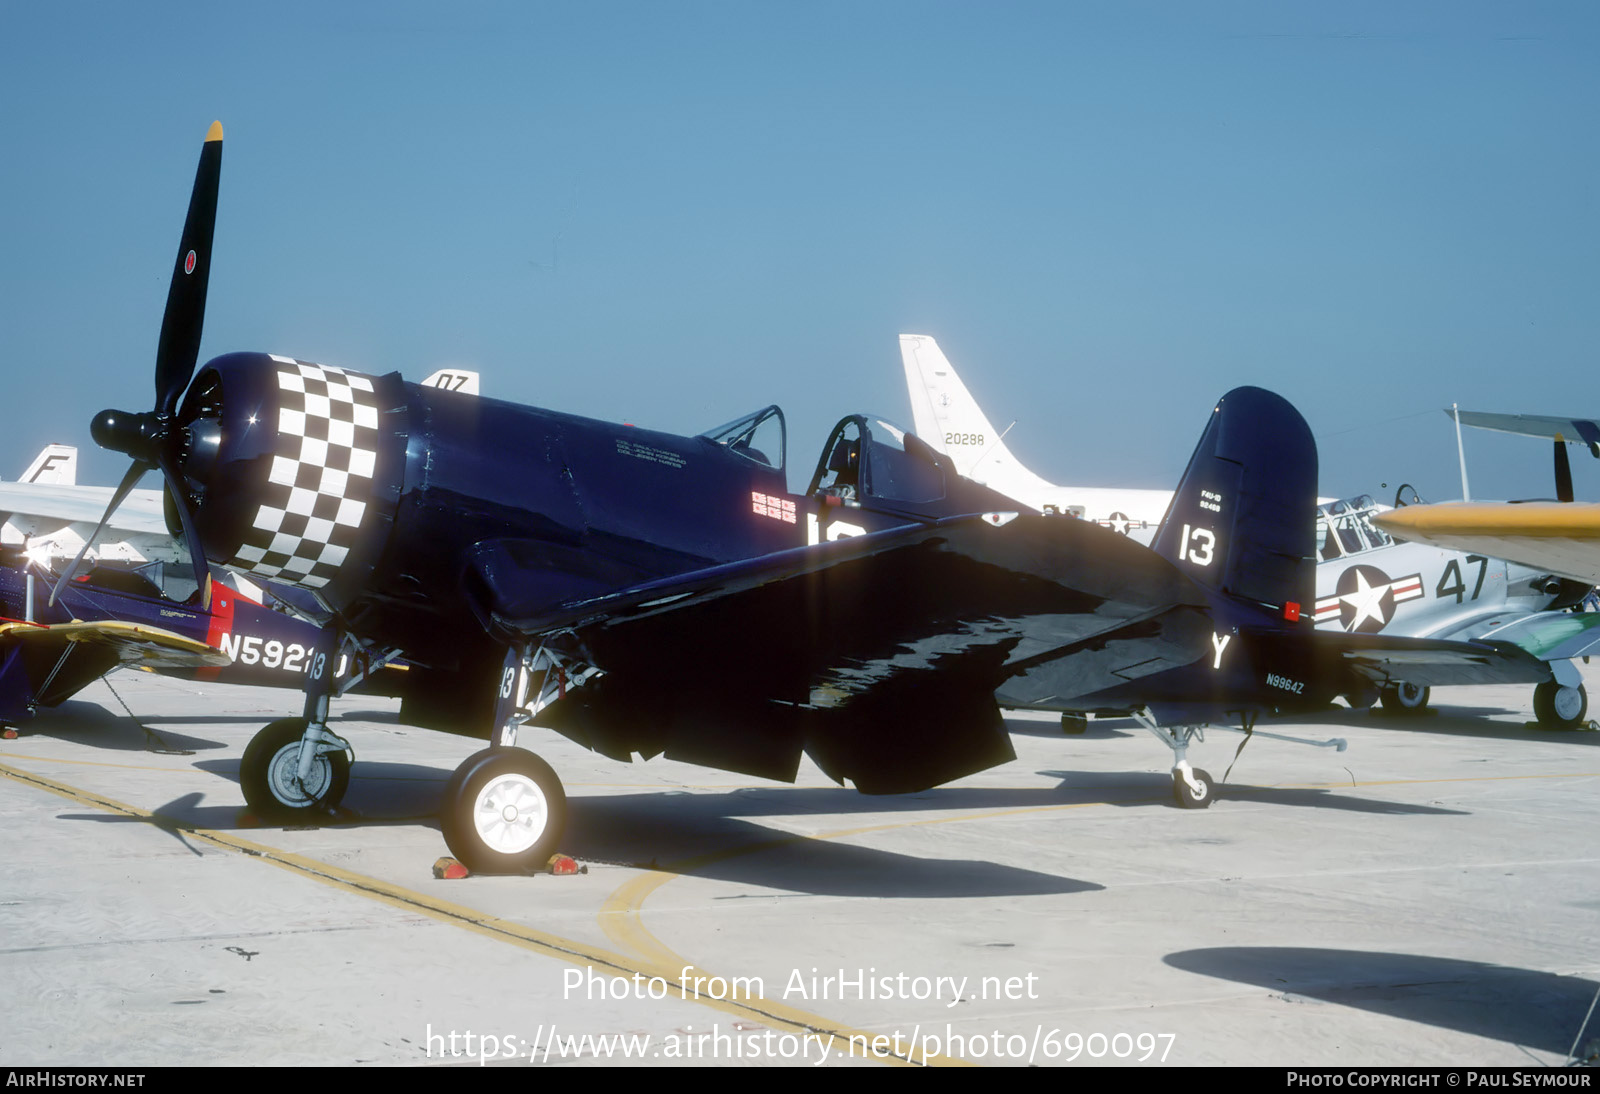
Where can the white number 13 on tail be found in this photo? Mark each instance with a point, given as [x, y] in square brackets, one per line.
[1196, 545]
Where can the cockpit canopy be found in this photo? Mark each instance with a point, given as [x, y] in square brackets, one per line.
[873, 458]
[1345, 528]
[760, 437]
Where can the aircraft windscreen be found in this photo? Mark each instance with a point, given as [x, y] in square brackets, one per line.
[900, 465]
[1344, 527]
[759, 437]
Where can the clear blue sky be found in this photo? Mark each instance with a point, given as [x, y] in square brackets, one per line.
[671, 213]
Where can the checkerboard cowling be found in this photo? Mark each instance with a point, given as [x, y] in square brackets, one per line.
[320, 486]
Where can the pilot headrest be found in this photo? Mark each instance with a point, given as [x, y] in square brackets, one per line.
[846, 455]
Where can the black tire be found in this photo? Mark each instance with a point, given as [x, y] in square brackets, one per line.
[477, 827]
[267, 776]
[1406, 699]
[1186, 795]
[1559, 707]
[1073, 723]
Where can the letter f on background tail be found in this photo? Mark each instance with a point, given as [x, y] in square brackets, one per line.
[55, 465]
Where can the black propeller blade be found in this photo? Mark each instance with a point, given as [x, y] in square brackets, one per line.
[186, 298]
[191, 534]
[155, 439]
[129, 481]
[1563, 471]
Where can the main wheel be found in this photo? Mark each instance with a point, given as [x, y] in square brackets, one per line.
[269, 775]
[1406, 699]
[1073, 723]
[1560, 707]
[504, 812]
[1189, 797]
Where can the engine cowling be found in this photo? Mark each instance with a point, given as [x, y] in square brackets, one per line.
[294, 469]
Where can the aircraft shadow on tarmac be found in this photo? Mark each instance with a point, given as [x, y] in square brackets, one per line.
[89, 723]
[698, 834]
[1160, 785]
[1098, 729]
[1487, 722]
[1536, 1010]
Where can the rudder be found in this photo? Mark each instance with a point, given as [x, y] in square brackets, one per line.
[1243, 518]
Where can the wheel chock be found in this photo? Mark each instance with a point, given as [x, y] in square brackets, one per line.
[8, 734]
[449, 869]
[562, 865]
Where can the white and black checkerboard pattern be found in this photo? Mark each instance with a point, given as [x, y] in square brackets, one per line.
[321, 481]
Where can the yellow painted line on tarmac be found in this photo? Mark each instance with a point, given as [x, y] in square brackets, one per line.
[621, 916]
[771, 1014]
[95, 763]
[1413, 782]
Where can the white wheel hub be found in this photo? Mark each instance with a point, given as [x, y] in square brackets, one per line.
[283, 777]
[510, 814]
[1410, 695]
[1568, 701]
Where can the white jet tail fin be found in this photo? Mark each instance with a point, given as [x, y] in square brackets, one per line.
[55, 465]
[454, 379]
[949, 418]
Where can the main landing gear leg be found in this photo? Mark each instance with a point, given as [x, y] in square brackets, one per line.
[1192, 787]
[504, 808]
[297, 769]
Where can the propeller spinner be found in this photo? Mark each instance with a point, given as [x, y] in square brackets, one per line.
[156, 439]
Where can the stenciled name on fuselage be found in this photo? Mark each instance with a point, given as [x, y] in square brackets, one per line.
[647, 452]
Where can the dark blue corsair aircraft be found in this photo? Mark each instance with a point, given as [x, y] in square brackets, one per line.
[650, 593]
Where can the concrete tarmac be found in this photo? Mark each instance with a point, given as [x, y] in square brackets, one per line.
[1428, 897]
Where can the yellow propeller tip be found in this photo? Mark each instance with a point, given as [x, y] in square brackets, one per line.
[214, 133]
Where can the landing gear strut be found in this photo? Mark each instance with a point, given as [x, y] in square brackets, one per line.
[297, 769]
[278, 787]
[1192, 787]
[504, 810]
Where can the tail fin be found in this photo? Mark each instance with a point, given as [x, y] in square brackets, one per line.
[1243, 518]
[946, 415]
[55, 465]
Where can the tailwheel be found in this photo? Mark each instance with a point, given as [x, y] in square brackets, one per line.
[270, 776]
[1194, 792]
[504, 812]
[1406, 699]
[1073, 723]
[1559, 707]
